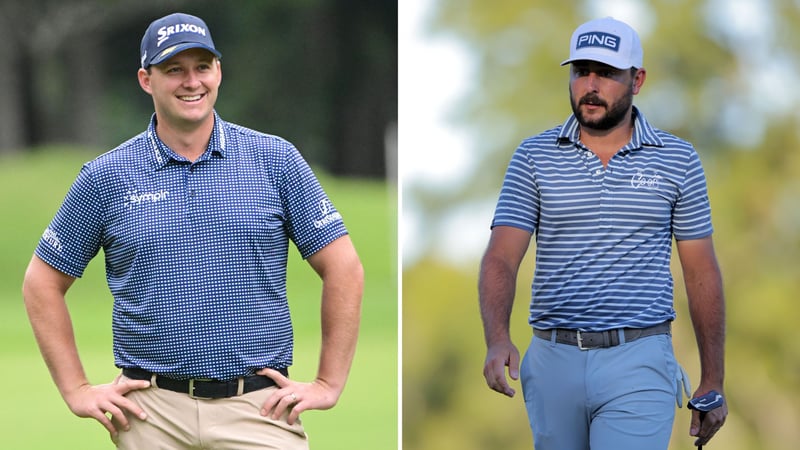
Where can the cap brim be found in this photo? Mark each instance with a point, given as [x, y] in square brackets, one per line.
[598, 58]
[171, 51]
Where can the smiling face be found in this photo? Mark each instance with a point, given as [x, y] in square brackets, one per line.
[184, 89]
[602, 96]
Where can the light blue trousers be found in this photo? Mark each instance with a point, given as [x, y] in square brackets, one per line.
[620, 398]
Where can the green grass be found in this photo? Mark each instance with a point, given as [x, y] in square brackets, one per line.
[34, 416]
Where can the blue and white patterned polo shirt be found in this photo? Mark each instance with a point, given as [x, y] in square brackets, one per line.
[195, 252]
[604, 235]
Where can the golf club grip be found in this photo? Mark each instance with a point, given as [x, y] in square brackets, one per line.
[702, 416]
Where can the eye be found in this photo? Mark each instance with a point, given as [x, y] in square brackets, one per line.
[581, 71]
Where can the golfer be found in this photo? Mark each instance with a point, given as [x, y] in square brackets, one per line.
[194, 217]
[604, 194]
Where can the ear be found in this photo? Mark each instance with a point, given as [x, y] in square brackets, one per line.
[144, 81]
[638, 80]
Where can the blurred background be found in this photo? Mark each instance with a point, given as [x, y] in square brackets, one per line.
[477, 77]
[320, 73]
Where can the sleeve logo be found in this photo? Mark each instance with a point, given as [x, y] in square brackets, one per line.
[51, 237]
[328, 214]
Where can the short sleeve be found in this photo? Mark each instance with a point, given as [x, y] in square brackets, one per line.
[519, 202]
[312, 221]
[691, 217]
[73, 237]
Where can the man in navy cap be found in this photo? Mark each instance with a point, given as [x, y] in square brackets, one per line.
[604, 194]
[194, 216]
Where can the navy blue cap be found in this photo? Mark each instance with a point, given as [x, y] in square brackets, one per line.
[173, 34]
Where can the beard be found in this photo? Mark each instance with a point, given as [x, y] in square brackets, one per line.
[615, 113]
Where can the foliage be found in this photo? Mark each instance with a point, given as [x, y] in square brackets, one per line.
[322, 74]
[446, 405]
[34, 185]
[757, 239]
[704, 83]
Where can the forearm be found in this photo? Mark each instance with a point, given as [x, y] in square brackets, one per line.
[704, 290]
[52, 327]
[707, 310]
[498, 281]
[342, 290]
[496, 289]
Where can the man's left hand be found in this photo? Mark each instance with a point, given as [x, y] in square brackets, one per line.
[296, 397]
[712, 421]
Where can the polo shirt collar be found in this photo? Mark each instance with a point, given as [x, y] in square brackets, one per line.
[643, 132]
[162, 154]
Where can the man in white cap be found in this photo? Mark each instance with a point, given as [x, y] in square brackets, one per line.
[194, 217]
[604, 193]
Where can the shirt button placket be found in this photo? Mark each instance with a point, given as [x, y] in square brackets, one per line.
[605, 198]
[191, 189]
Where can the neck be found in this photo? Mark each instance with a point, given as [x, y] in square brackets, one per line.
[189, 142]
[606, 143]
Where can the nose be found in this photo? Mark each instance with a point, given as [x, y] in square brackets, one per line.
[191, 80]
[591, 81]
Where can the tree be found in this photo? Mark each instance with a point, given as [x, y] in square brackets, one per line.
[323, 74]
[717, 76]
[54, 78]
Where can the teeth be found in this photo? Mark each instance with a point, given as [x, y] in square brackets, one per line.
[190, 98]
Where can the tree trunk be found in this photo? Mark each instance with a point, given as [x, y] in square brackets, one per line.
[12, 112]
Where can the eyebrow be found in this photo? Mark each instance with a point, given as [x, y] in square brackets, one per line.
[597, 67]
[202, 59]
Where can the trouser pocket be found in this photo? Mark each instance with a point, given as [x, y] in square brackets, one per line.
[682, 385]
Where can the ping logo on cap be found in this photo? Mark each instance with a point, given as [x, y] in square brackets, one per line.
[598, 39]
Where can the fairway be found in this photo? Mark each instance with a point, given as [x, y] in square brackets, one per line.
[33, 415]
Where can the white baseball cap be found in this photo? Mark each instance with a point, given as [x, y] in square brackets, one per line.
[608, 41]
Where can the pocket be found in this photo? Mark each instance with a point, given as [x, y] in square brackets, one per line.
[678, 376]
[682, 385]
[254, 401]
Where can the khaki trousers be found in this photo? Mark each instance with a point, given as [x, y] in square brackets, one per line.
[178, 422]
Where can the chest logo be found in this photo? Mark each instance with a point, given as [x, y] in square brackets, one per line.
[645, 179]
[134, 198]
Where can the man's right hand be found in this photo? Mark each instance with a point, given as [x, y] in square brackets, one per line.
[498, 357]
[100, 401]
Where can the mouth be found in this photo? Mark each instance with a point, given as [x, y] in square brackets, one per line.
[592, 102]
[191, 98]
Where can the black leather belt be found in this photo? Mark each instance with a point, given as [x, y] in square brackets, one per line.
[586, 340]
[202, 388]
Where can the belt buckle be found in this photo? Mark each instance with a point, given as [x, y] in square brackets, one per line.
[580, 341]
[191, 389]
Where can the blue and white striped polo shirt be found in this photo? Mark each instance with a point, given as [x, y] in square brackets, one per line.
[604, 235]
[195, 252]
